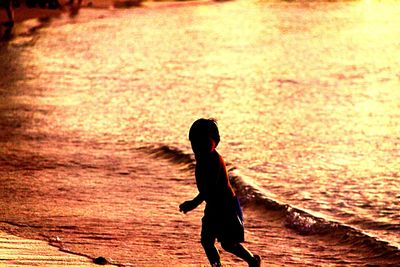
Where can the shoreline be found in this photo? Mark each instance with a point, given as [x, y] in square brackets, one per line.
[15, 250]
[28, 20]
[24, 13]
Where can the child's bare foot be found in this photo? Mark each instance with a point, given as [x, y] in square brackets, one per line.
[256, 262]
[8, 24]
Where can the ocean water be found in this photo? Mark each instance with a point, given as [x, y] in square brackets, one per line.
[95, 111]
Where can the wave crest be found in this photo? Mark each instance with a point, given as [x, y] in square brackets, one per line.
[300, 221]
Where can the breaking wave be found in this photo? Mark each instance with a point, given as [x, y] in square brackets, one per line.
[294, 218]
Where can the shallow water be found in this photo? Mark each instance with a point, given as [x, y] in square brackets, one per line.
[307, 98]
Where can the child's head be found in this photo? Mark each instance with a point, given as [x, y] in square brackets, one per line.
[204, 135]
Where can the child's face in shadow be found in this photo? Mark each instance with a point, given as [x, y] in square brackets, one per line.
[203, 146]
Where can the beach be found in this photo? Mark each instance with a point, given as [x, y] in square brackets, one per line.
[95, 112]
[16, 251]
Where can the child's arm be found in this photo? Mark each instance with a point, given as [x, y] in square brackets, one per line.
[191, 204]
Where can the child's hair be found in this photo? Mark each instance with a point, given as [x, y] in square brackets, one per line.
[204, 127]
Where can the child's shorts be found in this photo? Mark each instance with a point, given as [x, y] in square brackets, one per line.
[225, 225]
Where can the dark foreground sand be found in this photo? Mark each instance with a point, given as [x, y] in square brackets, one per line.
[17, 251]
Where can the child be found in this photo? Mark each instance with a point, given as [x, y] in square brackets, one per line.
[222, 215]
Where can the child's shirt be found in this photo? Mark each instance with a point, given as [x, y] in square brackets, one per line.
[213, 182]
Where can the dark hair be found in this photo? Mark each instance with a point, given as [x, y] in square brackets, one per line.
[204, 127]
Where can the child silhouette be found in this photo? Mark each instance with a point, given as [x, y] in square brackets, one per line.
[222, 219]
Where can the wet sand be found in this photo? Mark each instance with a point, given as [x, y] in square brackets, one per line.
[18, 251]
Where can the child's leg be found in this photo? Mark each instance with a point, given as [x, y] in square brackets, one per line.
[211, 251]
[242, 252]
[10, 12]
[208, 238]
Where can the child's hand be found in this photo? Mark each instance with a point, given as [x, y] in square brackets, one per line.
[187, 206]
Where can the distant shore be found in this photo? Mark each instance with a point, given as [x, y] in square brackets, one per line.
[24, 13]
[28, 20]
